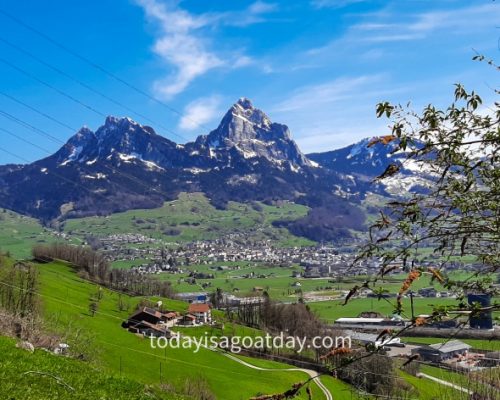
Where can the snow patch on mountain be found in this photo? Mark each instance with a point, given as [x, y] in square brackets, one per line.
[252, 179]
[96, 176]
[75, 153]
[197, 171]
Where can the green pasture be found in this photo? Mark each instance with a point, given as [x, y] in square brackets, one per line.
[192, 217]
[65, 302]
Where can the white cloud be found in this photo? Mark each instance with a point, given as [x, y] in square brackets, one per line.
[390, 25]
[199, 112]
[336, 113]
[180, 46]
[253, 14]
[243, 61]
[183, 45]
[334, 3]
[325, 93]
[421, 25]
[261, 7]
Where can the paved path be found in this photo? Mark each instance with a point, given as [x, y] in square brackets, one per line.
[313, 374]
[445, 383]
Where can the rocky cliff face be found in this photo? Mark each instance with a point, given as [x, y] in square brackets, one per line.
[250, 134]
[125, 165]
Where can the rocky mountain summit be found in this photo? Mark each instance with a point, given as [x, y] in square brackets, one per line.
[125, 165]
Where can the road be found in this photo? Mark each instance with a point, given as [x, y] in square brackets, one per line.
[313, 374]
[444, 383]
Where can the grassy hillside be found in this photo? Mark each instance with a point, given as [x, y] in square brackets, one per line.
[18, 234]
[466, 381]
[42, 375]
[192, 217]
[426, 389]
[65, 303]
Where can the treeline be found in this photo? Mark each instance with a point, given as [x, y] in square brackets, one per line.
[292, 319]
[93, 266]
[296, 319]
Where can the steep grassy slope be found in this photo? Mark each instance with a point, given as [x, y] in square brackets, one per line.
[65, 302]
[18, 233]
[41, 375]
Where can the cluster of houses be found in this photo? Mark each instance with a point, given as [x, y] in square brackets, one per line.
[321, 261]
[226, 249]
[148, 321]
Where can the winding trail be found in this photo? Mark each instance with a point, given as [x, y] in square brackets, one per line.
[445, 383]
[311, 373]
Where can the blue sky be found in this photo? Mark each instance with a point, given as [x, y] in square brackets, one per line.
[319, 66]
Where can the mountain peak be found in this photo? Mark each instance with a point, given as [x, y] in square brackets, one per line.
[83, 133]
[250, 132]
[244, 110]
[112, 121]
[245, 103]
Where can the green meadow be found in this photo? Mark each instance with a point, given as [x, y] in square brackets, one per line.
[192, 217]
[18, 234]
[42, 375]
[65, 300]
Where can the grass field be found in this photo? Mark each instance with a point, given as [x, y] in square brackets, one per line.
[192, 217]
[18, 234]
[339, 389]
[65, 302]
[275, 280]
[331, 310]
[426, 389]
[29, 376]
[281, 285]
[465, 380]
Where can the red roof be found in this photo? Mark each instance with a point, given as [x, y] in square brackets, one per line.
[198, 308]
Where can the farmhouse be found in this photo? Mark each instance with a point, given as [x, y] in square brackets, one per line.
[201, 311]
[151, 322]
[187, 320]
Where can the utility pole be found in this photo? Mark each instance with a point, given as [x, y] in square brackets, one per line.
[412, 308]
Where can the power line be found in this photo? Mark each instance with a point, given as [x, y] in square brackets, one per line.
[23, 139]
[38, 111]
[39, 131]
[41, 81]
[90, 88]
[104, 165]
[98, 67]
[120, 319]
[46, 134]
[42, 132]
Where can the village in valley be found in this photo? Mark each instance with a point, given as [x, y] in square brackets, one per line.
[198, 263]
[250, 200]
